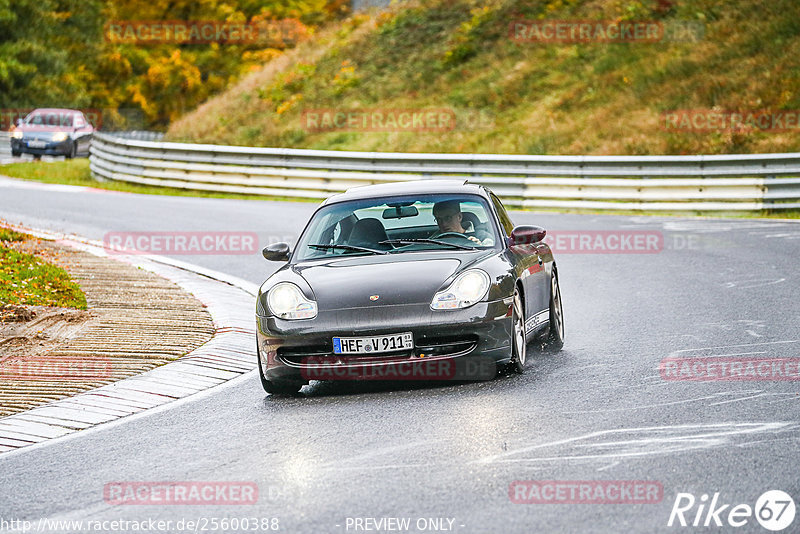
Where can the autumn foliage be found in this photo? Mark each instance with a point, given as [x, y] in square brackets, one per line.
[59, 53]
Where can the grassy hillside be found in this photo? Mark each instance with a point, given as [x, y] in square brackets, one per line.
[523, 97]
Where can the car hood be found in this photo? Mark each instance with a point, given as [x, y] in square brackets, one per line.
[411, 278]
[31, 129]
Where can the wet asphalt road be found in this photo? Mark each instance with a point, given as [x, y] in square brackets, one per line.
[598, 410]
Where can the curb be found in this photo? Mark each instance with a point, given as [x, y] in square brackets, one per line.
[228, 355]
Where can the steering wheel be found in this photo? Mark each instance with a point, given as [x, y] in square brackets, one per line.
[451, 234]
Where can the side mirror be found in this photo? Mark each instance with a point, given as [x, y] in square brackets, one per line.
[527, 235]
[276, 252]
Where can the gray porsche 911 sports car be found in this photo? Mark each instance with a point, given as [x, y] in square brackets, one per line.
[425, 280]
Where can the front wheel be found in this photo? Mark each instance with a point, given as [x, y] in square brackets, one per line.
[519, 345]
[555, 338]
[73, 151]
[281, 388]
[15, 153]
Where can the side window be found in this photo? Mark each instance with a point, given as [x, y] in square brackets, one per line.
[342, 229]
[505, 221]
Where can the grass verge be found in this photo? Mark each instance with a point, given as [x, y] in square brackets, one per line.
[29, 280]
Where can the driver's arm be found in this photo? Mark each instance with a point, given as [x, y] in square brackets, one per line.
[488, 242]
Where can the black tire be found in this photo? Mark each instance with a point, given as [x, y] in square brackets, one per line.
[555, 337]
[276, 387]
[519, 343]
[73, 151]
[15, 154]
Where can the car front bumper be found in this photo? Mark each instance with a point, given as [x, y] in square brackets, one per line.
[463, 344]
[50, 148]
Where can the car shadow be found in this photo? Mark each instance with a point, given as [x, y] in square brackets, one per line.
[541, 362]
[317, 389]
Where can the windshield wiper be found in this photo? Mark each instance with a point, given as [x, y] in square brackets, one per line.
[349, 247]
[435, 241]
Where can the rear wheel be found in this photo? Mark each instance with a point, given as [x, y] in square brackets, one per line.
[519, 345]
[277, 387]
[555, 339]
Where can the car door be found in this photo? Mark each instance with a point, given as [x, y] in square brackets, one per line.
[82, 133]
[529, 264]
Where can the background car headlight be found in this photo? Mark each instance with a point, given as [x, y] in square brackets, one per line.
[17, 135]
[467, 289]
[287, 301]
[60, 136]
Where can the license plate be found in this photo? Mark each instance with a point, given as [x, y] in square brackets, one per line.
[374, 344]
[37, 144]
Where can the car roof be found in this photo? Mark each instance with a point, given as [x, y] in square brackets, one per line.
[453, 186]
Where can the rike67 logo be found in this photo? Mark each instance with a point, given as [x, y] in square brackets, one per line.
[774, 510]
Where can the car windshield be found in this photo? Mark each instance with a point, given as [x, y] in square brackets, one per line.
[49, 119]
[395, 225]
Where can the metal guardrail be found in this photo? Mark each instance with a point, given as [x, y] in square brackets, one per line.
[669, 183]
[5, 143]
[139, 135]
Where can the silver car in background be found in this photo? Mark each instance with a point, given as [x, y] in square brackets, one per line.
[52, 132]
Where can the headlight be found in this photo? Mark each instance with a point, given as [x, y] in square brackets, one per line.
[16, 135]
[286, 301]
[467, 289]
[60, 136]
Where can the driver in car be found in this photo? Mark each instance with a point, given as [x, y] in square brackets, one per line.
[450, 219]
